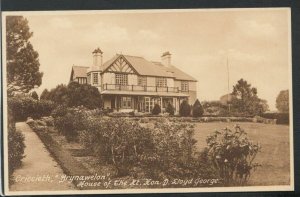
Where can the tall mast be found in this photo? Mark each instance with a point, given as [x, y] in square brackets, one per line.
[228, 91]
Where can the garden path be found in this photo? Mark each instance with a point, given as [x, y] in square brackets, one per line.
[39, 171]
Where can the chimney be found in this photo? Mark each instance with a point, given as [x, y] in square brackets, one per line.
[97, 59]
[166, 59]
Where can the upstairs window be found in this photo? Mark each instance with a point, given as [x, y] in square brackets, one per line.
[95, 78]
[161, 82]
[121, 79]
[142, 81]
[184, 86]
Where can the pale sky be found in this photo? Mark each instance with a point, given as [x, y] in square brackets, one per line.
[256, 42]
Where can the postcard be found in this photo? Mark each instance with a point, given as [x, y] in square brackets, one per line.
[147, 101]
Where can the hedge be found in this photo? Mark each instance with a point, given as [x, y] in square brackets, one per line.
[282, 118]
[24, 107]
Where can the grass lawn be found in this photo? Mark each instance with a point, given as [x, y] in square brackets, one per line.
[275, 153]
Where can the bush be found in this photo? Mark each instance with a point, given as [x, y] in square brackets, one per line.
[170, 109]
[197, 109]
[24, 107]
[185, 109]
[116, 141]
[156, 109]
[16, 146]
[232, 154]
[69, 121]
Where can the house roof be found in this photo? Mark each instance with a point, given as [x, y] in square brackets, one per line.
[148, 68]
[79, 71]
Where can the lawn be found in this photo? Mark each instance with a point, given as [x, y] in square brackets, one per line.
[275, 153]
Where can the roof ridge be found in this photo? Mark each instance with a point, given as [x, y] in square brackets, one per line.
[80, 66]
[132, 56]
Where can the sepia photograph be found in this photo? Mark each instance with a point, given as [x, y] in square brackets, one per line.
[147, 101]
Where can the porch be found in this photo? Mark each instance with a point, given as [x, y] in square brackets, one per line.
[140, 103]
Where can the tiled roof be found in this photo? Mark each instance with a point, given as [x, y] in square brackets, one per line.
[147, 68]
[79, 71]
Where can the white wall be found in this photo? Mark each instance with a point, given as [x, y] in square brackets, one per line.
[192, 86]
[132, 79]
[108, 78]
[151, 81]
[170, 82]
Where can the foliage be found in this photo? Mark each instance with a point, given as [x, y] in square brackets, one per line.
[45, 94]
[22, 60]
[68, 121]
[73, 95]
[23, 107]
[185, 109]
[232, 154]
[57, 94]
[282, 101]
[281, 118]
[197, 109]
[174, 148]
[156, 109]
[170, 109]
[16, 145]
[116, 141]
[214, 108]
[34, 95]
[245, 100]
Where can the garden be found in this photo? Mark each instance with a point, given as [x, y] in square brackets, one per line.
[155, 150]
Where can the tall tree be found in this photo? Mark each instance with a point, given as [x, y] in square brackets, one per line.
[21, 59]
[282, 101]
[45, 94]
[245, 99]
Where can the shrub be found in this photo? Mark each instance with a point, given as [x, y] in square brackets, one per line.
[23, 107]
[116, 141]
[16, 146]
[197, 109]
[68, 121]
[232, 154]
[156, 109]
[170, 109]
[185, 109]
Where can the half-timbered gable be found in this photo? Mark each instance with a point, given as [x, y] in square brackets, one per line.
[121, 65]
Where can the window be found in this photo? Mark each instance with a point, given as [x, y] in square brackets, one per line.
[81, 80]
[95, 78]
[184, 86]
[142, 81]
[121, 79]
[126, 102]
[161, 82]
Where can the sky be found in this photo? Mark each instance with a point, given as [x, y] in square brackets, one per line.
[254, 41]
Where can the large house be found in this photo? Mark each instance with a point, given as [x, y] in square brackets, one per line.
[130, 83]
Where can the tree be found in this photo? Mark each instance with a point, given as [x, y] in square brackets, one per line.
[170, 109]
[34, 95]
[156, 109]
[21, 59]
[197, 109]
[245, 100]
[184, 109]
[45, 94]
[282, 101]
[83, 94]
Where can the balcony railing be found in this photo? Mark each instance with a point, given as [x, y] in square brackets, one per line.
[139, 88]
